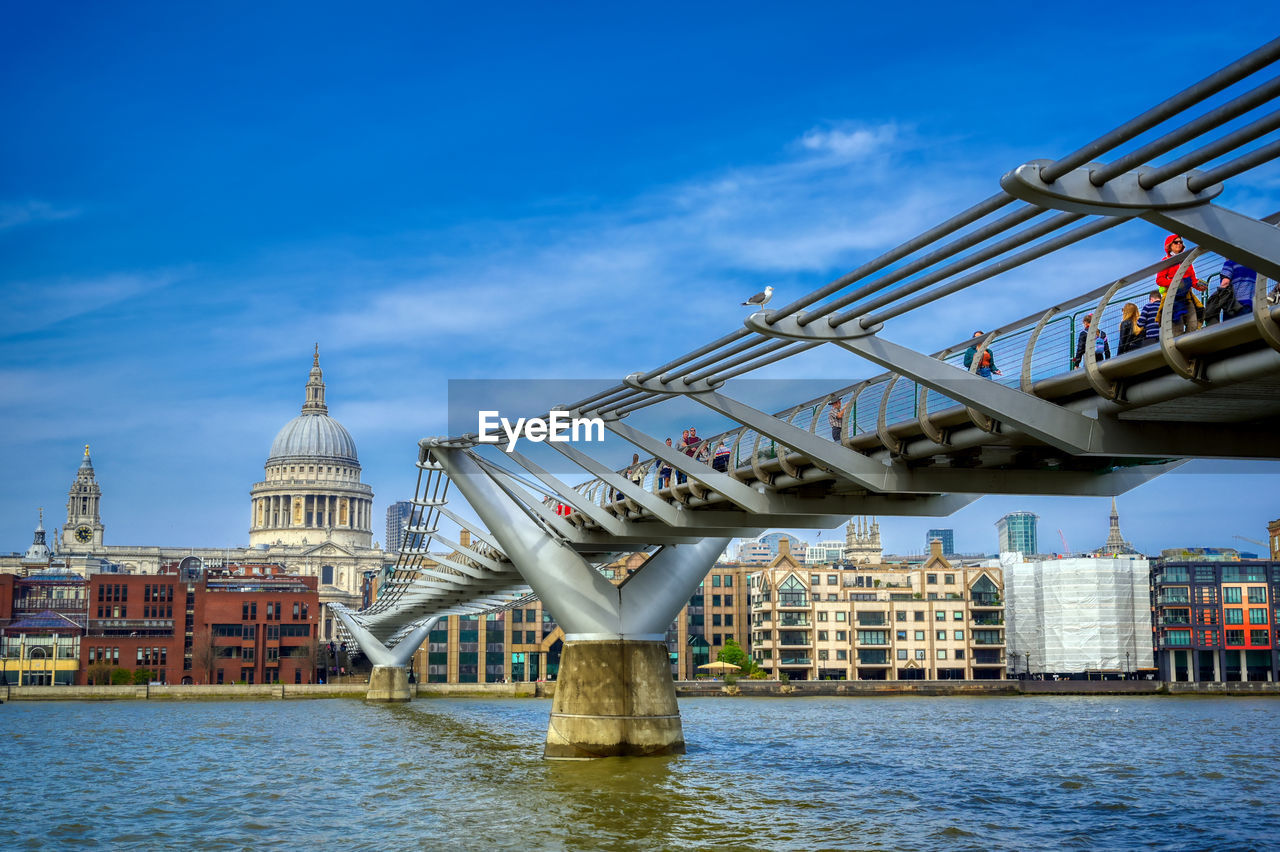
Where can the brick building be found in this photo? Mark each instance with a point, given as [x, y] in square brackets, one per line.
[242, 622]
[254, 626]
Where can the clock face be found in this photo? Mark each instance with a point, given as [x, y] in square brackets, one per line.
[84, 535]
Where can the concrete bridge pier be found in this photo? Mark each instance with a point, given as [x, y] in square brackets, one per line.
[389, 684]
[614, 694]
[614, 698]
[389, 680]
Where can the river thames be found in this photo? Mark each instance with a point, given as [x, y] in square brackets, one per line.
[761, 773]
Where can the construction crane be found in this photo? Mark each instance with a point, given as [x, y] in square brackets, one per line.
[1066, 548]
[1261, 544]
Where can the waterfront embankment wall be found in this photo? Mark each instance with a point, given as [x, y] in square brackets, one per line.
[684, 689]
[864, 688]
[255, 692]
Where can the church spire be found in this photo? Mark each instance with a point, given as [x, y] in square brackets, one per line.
[314, 403]
[1115, 540]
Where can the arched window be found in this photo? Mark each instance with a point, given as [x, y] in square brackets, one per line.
[326, 575]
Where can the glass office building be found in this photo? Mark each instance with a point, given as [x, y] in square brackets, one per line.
[1017, 533]
[947, 537]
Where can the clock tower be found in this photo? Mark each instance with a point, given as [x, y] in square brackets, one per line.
[83, 530]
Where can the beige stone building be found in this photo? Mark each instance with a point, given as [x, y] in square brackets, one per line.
[878, 622]
[310, 513]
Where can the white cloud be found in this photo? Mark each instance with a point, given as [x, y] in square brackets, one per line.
[16, 213]
[849, 142]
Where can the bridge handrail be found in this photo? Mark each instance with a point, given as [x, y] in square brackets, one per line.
[1010, 337]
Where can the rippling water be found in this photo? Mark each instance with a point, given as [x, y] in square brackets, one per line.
[790, 773]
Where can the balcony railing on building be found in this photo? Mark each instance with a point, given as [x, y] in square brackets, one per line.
[986, 599]
[794, 639]
[1175, 639]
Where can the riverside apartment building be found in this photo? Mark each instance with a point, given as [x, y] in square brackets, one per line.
[878, 622]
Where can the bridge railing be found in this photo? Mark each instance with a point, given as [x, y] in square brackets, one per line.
[1016, 348]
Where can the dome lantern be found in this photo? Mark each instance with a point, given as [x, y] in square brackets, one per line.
[314, 434]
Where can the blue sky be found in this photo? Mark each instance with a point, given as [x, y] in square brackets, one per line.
[192, 197]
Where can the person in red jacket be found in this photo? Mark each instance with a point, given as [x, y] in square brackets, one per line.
[1186, 310]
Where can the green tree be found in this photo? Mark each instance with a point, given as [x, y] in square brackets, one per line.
[732, 653]
[100, 674]
[121, 677]
[143, 676]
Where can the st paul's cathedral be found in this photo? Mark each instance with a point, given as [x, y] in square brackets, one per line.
[311, 514]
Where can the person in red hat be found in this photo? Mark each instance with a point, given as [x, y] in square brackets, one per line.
[1187, 307]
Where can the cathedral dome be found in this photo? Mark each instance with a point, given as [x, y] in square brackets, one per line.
[313, 434]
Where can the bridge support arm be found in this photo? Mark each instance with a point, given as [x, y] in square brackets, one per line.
[722, 483]
[389, 680]
[1055, 426]
[853, 466]
[581, 599]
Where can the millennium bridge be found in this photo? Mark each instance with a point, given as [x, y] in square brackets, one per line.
[928, 435]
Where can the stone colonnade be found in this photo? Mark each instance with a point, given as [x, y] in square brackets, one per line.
[319, 511]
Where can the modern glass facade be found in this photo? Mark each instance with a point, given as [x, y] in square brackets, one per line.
[1017, 532]
[947, 537]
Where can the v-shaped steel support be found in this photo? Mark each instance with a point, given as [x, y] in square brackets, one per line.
[584, 603]
[379, 654]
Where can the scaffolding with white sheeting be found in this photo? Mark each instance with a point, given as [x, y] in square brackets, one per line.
[1080, 614]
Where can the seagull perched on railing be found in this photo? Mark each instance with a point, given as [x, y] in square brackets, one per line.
[759, 300]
